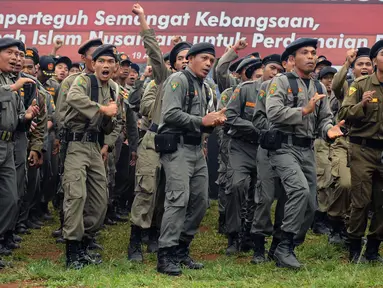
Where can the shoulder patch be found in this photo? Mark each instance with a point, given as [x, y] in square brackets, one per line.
[235, 94]
[272, 89]
[352, 90]
[261, 94]
[174, 85]
[81, 81]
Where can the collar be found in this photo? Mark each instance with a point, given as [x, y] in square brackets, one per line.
[200, 81]
[375, 79]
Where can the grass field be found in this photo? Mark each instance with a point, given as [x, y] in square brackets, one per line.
[40, 263]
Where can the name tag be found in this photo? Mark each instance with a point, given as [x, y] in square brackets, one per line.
[250, 104]
[374, 100]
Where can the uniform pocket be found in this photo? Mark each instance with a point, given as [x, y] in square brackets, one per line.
[175, 195]
[146, 180]
[372, 110]
[361, 195]
[335, 167]
[73, 187]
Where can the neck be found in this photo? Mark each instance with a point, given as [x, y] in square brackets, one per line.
[87, 71]
[379, 75]
[120, 81]
[302, 74]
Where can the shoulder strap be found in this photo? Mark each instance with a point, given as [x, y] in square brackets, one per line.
[318, 86]
[294, 86]
[191, 91]
[93, 87]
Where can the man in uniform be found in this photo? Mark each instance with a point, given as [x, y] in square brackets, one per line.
[88, 118]
[76, 68]
[31, 61]
[186, 192]
[362, 110]
[294, 122]
[62, 67]
[339, 202]
[13, 117]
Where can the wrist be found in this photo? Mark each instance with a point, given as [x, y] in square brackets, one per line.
[13, 87]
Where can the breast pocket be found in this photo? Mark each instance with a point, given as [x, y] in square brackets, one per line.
[8, 109]
[372, 110]
[195, 106]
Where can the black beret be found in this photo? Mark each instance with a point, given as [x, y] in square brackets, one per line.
[105, 50]
[376, 48]
[47, 65]
[362, 52]
[201, 48]
[321, 58]
[166, 56]
[245, 63]
[33, 54]
[88, 44]
[327, 70]
[301, 42]
[22, 46]
[123, 58]
[252, 67]
[65, 60]
[285, 56]
[177, 49]
[77, 65]
[7, 42]
[234, 66]
[134, 66]
[273, 58]
[324, 62]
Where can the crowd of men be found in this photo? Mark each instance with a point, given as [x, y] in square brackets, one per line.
[101, 142]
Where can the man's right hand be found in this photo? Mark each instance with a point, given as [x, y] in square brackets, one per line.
[310, 107]
[240, 45]
[138, 10]
[214, 118]
[367, 97]
[351, 55]
[109, 110]
[20, 83]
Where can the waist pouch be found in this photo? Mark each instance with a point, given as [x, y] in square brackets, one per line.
[271, 139]
[166, 143]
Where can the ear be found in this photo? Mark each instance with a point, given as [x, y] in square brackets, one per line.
[292, 58]
[374, 62]
[94, 65]
[83, 57]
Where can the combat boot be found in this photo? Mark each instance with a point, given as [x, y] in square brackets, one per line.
[222, 224]
[355, 252]
[17, 238]
[57, 233]
[335, 237]
[86, 257]
[167, 262]
[153, 240]
[259, 250]
[233, 244]
[184, 257]
[9, 242]
[4, 250]
[372, 251]
[135, 245]
[2, 264]
[319, 226]
[284, 254]
[93, 245]
[273, 247]
[73, 255]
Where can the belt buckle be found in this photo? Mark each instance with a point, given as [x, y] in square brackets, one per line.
[88, 137]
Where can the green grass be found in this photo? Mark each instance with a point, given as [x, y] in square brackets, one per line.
[40, 263]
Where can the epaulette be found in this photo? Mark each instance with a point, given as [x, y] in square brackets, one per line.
[361, 78]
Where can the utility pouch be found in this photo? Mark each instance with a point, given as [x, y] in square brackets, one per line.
[271, 139]
[166, 143]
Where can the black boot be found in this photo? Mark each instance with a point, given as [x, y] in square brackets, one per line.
[4, 251]
[22, 229]
[355, 252]
[184, 257]
[273, 247]
[73, 255]
[167, 262]
[153, 240]
[2, 264]
[233, 244]
[93, 245]
[9, 242]
[372, 251]
[335, 237]
[135, 245]
[319, 225]
[17, 238]
[222, 224]
[57, 233]
[259, 249]
[284, 254]
[86, 257]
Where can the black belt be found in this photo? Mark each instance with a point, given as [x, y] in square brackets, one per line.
[190, 140]
[6, 136]
[371, 143]
[87, 137]
[296, 141]
[153, 127]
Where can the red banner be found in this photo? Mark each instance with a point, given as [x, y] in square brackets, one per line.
[268, 27]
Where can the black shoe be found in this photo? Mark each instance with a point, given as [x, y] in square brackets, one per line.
[319, 225]
[233, 244]
[60, 240]
[109, 221]
[145, 236]
[135, 245]
[183, 256]
[222, 224]
[119, 218]
[2, 264]
[57, 233]
[273, 247]
[335, 237]
[355, 252]
[153, 241]
[8, 241]
[37, 221]
[47, 217]
[73, 249]
[259, 250]
[17, 238]
[94, 246]
[284, 254]
[22, 230]
[167, 262]
[123, 211]
[372, 251]
[86, 257]
[32, 225]
[4, 251]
